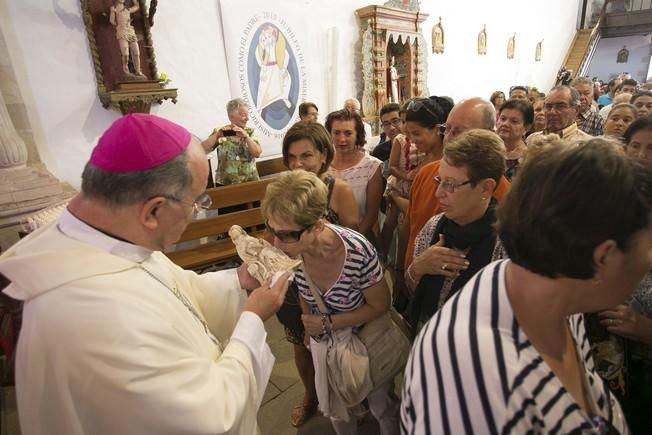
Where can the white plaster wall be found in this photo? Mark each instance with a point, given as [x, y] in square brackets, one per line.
[460, 73]
[604, 66]
[49, 51]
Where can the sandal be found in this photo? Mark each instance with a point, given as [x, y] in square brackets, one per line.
[302, 412]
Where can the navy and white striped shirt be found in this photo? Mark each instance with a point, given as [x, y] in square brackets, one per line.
[473, 370]
[360, 271]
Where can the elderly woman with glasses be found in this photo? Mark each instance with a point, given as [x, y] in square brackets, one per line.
[307, 146]
[455, 244]
[342, 267]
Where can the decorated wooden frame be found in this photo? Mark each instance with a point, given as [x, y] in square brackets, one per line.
[128, 92]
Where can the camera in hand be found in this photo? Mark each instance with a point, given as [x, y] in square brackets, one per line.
[227, 133]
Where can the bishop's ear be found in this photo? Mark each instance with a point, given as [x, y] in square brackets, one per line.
[151, 210]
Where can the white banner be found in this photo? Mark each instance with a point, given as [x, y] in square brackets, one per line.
[266, 45]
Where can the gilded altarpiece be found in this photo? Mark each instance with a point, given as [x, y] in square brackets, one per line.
[386, 33]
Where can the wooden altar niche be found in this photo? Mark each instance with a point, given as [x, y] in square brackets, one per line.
[113, 90]
[391, 32]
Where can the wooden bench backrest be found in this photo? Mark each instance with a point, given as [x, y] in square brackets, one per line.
[270, 166]
[248, 195]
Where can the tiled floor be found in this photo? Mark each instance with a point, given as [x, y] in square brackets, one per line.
[285, 390]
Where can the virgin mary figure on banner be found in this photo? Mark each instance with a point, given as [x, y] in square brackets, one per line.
[272, 57]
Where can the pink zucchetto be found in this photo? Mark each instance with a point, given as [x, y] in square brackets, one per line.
[139, 141]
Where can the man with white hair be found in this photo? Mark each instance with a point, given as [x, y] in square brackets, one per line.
[587, 120]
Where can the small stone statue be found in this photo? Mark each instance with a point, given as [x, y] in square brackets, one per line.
[263, 260]
[438, 38]
[120, 17]
[511, 47]
[623, 55]
[482, 41]
[393, 78]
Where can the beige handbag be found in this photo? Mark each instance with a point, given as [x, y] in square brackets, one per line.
[388, 346]
[347, 365]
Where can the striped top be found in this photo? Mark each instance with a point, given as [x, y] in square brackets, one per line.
[360, 271]
[486, 378]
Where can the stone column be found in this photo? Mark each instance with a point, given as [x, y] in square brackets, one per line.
[13, 152]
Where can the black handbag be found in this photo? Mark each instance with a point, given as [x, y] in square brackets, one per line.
[290, 312]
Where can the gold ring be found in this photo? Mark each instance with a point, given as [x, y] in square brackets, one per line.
[444, 266]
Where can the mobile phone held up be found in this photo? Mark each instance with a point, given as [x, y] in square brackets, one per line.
[227, 133]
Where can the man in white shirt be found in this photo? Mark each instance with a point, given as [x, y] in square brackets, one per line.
[116, 338]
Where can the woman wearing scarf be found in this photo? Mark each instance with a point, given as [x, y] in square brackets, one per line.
[453, 245]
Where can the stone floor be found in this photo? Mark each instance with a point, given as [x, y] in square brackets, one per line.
[285, 390]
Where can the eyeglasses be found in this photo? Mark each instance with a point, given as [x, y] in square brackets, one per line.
[418, 103]
[395, 122]
[518, 88]
[287, 236]
[556, 106]
[454, 131]
[448, 185]
[203, 201]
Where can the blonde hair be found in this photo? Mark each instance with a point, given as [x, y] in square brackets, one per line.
[299, 197]
[541, 142]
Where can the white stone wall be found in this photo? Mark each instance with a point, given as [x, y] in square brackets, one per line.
[49, 52]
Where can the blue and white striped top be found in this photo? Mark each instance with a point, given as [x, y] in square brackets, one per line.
[473, 370]
[360, 271]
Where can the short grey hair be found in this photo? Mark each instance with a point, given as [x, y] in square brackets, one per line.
[234, 105]
[581, 81]
[574, 95]
[355, 102]
[172, 179]
[488, 115]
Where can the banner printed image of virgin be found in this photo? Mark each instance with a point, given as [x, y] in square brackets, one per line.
[273, 76]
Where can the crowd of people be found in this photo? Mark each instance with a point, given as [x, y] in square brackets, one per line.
[516, 233]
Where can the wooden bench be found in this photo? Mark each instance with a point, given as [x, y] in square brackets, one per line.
[248, 196]
[269, 167]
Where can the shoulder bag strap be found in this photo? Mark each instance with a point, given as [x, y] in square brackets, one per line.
[315, 293]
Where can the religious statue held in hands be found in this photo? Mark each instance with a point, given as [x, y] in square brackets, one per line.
[263, 260]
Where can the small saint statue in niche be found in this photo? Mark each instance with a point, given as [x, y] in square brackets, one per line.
[623, 55]
[482, 41]
[511, 46]
[537, 52]
[438, 38]
[263, 260]
[394, 96]
[120, 18]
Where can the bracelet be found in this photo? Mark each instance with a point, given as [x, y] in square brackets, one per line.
[409, 274]
[324, 329]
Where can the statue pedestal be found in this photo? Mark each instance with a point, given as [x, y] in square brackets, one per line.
[24, 191]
